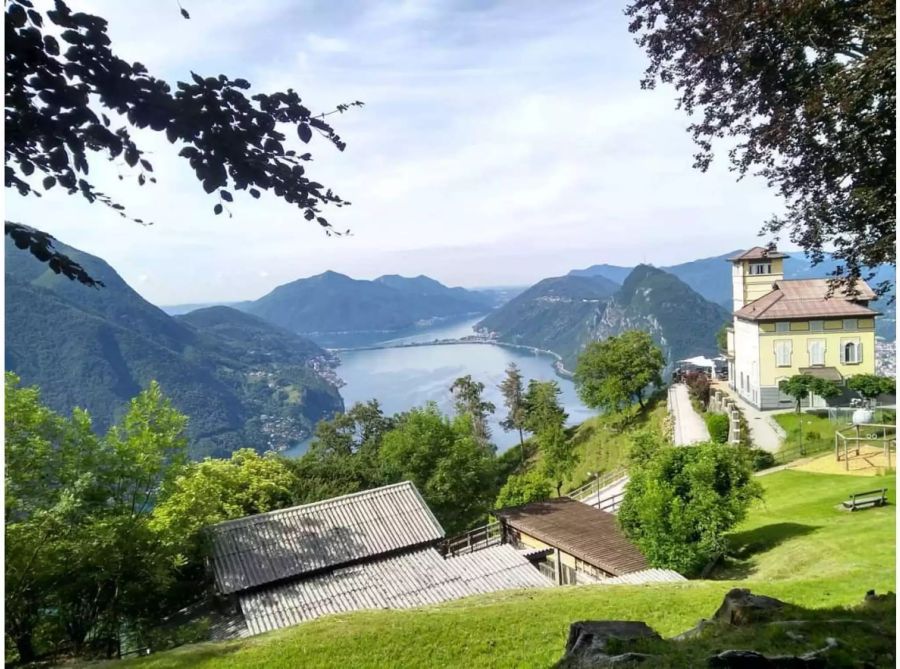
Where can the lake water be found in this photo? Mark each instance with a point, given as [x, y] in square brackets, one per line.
[402, 378]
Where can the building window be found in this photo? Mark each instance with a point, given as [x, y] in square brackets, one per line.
[761, 268]
[850, 324]
[816, 348]
[783, 349]
[782, 327]
[851, 351]
[817, 326]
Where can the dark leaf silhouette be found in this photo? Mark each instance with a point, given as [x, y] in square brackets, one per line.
[184, 13]
[304, 132]
[217, 209]
[226, 196]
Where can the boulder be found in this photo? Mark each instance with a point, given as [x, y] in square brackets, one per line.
[589, 643]
[741, 607]
[750, 659]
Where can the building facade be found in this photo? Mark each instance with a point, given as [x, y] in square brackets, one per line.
[786, 327]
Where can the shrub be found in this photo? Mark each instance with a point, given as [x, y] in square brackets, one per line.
[698, 387]
[761, 459]
[717, 424]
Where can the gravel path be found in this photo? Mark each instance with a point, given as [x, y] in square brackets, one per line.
[689, 426]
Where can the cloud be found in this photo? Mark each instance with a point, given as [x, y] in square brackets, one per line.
[501, 142]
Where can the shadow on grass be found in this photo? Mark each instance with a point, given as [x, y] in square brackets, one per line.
[744, 546]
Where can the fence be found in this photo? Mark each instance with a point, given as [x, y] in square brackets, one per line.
[593, 487]
[474, 540]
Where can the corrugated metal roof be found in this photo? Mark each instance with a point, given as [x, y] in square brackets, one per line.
[577, 529]
[402, 581]
[807, 298]
[267, 547]
[645, 576]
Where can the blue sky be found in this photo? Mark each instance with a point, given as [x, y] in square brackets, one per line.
[501, 142]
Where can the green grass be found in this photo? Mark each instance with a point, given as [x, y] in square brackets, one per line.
[818, 432]
[602, 444]
[794, 545]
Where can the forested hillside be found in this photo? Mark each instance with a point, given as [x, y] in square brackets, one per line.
[564, 313]
[241, 381]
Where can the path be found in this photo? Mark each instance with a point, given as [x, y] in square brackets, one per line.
[689, 426]
[764, 432]
[610, 495]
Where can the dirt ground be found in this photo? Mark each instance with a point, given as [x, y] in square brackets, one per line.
[871, 461]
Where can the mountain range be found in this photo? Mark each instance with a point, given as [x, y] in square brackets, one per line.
[333, 309]
[240, 380]
[562, 314]
[711, 278]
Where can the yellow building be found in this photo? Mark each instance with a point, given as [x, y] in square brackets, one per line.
[787, 327]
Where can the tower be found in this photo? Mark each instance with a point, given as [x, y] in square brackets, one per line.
[753, 273]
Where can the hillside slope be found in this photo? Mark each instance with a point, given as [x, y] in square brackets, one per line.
[334, 309]
[564, 313]
[794, 545]
[97, 348]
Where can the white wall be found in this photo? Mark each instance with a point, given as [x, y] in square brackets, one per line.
[746, 360]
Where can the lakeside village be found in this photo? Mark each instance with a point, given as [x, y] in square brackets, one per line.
[616, 502]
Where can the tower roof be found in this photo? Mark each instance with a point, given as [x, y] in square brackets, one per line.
[758, 253]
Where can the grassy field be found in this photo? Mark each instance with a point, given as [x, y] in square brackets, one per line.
[795, 545]
[818, 432]
[602, 444]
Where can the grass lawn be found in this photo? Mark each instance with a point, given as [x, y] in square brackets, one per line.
[818, 432]
[602, 444]
[795, 545]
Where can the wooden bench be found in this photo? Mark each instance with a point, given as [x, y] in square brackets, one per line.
[861, 500]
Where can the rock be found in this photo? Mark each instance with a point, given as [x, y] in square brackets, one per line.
[871, 597]
[750, 659]
[695, 631]
[588, 643]
[741, 607]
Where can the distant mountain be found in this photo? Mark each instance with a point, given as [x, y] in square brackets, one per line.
[332, 308]
[241, 381]
[711, 277]
[181, 309]
[564, 313]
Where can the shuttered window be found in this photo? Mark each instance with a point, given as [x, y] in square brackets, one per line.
[851, 351]
[816, 348]
[783, 353]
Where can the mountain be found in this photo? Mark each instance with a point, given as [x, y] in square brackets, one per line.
[181, 309]
[711, 277]
[241, 381]
[333, 309]
[564, 313]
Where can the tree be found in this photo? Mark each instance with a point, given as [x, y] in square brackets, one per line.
[612, 373]
[468, 400]
[681, 501]
[722, 337]
[800, 386]
[446, 461]
[558, 455]
[84, 560]
[514, 399]
[870, 386]
[60, 97]
[805, 94]
[532, 486]
[543, 410]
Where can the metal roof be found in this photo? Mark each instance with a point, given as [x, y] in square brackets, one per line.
[257, 550]
[580, 530]
[807, 298]
[417, 578]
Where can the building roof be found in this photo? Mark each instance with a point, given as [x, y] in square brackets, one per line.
[403, 581]
[758, 253]
[575, 528]
[258, 550]
[807, 298]
[827, 373]
[644, 576]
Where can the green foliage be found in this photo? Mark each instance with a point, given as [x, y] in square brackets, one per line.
[532, 486]
[467, 398]
[681, 502]
[514, 398]
[543, 409]
[803, 95]
[84, 559]
[698, 388]
[613, 373]
[446, 461]
[717, 424]
[558, 455]
[870, 386]
[800, 386]
[761, 459]
[722, 337]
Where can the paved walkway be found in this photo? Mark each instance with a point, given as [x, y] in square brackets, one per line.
[614, 489]
[690, 427]
[765, 433]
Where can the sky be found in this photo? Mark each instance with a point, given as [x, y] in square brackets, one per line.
[501, 143]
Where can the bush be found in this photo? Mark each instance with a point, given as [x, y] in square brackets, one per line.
[761, 459]
[698, 387]
[717, 424]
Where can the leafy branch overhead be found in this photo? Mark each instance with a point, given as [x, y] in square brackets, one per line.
[55, 89]
[805, 91]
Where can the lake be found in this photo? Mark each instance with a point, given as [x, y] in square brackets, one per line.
[402, 378]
